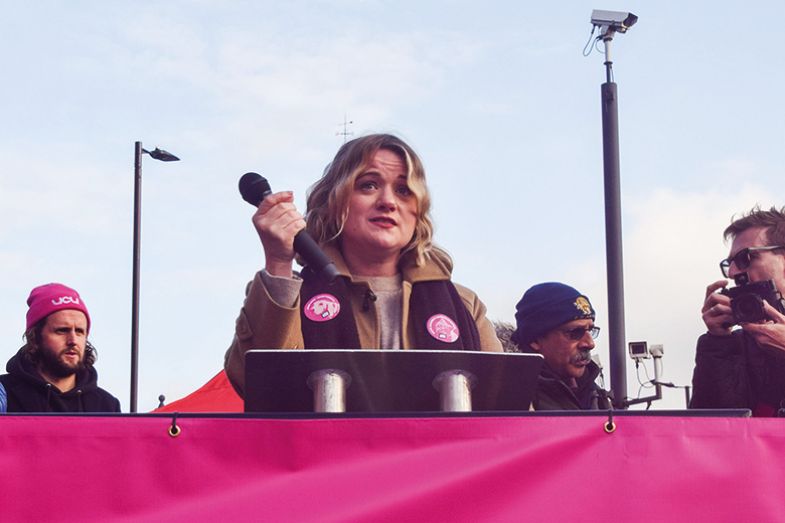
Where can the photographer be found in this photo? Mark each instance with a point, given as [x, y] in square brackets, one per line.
[745, 367]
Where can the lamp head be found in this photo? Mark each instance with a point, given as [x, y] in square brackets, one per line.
[160, 154]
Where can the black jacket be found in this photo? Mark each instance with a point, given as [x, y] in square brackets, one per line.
[553, 394]
[28, 392]
[734, 372]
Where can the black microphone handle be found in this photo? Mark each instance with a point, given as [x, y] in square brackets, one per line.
[314, 256]
[254, 188]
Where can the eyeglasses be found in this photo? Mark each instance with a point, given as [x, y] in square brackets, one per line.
[578, 333]
[744, 257]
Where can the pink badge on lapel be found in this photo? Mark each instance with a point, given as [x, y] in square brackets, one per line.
[443, 328]
[322, 307]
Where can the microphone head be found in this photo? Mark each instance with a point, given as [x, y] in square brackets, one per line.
[253, 188]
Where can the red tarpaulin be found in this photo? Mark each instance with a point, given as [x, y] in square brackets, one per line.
[217, 395]
[391, 469]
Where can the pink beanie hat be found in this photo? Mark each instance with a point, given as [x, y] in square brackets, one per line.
[53, 297]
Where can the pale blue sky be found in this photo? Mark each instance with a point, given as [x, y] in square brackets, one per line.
[496, 97]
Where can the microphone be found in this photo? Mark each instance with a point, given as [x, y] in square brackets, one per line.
[254, 188]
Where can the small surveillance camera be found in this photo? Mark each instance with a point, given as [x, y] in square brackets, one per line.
[656, 350]
[638, 350]
[618, 21]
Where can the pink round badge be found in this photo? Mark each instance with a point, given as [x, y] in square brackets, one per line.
[322, 307]
[442, 328]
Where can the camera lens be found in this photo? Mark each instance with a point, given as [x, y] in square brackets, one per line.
[748, 308]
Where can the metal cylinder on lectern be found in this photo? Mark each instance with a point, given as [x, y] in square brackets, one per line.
[455, 390]
[329, 390]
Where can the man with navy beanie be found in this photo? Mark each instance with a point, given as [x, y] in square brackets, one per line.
[557, 321]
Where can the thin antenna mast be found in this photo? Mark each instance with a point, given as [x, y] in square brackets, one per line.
[345, 132]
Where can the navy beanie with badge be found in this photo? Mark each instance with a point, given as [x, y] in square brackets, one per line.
[546, 306]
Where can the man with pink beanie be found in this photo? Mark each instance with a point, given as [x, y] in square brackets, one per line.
[53, 371]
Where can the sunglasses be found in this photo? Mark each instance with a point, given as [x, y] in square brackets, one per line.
[578, 333]
[744, 257]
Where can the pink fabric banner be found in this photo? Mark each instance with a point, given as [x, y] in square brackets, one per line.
[397, 469]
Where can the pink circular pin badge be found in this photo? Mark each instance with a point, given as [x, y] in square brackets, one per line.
[443, 328]
[322, 307]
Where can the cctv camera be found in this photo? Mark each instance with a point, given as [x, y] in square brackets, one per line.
[618, 21]
[638, 350]
[657, 351]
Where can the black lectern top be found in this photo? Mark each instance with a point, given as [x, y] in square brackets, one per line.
[388, 380]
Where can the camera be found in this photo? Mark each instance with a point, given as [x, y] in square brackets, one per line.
[618, 21]
[747, 299]
[638, 350]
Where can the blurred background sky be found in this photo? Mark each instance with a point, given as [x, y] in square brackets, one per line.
[496, 97]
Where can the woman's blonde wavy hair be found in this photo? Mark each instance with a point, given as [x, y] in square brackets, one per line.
[328, 199]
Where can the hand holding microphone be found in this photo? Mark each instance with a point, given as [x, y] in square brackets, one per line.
[282, 229]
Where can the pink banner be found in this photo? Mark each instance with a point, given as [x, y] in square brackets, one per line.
[397, 469]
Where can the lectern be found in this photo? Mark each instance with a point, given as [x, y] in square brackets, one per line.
[388, 381]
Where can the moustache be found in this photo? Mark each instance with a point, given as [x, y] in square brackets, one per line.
[70, 349]
[583, 357]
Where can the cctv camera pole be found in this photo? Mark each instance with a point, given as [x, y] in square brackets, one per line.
[613, 238]
[657, 382]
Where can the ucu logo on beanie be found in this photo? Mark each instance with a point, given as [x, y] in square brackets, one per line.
[52, 297]
[63, 300]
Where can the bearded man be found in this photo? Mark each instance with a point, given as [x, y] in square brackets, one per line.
[53, 371]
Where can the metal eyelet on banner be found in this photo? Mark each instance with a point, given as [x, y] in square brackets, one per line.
[609, 426]
[174, 429]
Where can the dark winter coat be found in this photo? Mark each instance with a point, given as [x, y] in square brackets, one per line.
[554, 394]
[28, 392]
[735, 372]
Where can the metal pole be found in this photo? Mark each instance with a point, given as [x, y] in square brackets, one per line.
[658, 377]
[329, 389]
[135, 280]
[455, 390]
[613, 237]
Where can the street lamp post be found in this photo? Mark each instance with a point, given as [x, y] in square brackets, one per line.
[163, 156]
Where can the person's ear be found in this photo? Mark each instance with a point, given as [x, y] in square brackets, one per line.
[535, 345]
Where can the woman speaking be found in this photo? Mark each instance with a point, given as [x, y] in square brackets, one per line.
[370, 214]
